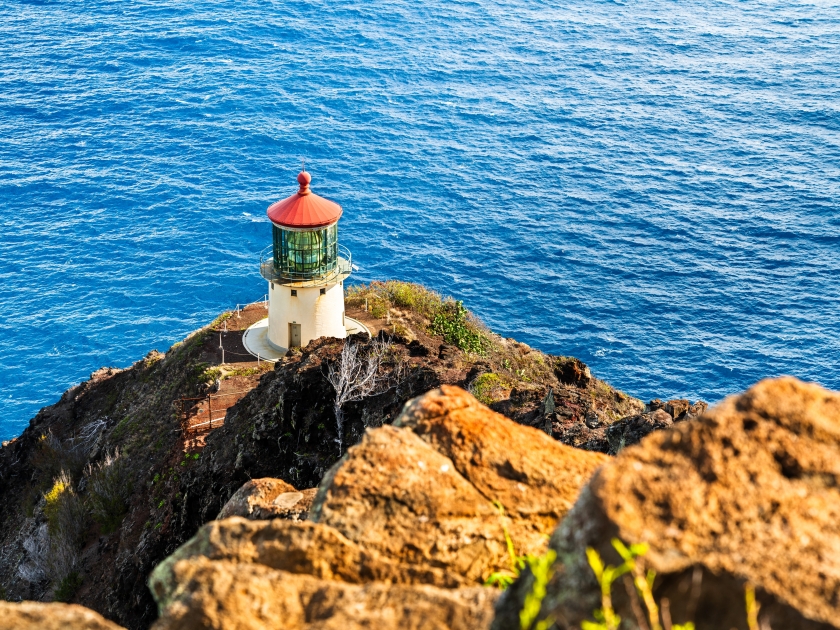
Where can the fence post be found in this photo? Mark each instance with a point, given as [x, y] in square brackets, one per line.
[210, 410]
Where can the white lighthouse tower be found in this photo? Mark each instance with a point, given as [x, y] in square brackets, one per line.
[305, 268]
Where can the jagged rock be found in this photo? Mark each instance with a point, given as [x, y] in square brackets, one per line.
[221, 594]
[426, 495]
[294, 547]
[408, 510]
[38, 616]
[571, 371]
[698, 408]
[749, 492]
[268, 498]
[677, 408]
[631, 430]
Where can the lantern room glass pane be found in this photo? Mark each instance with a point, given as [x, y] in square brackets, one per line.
[305, 254]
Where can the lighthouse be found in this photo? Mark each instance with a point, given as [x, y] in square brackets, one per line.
[305, 268]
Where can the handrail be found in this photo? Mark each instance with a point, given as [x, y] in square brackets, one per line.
[343, 267]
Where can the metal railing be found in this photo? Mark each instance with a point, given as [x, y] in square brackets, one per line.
[343, 267]
[207, 412]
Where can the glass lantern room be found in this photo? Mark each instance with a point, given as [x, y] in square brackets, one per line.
[305, 254]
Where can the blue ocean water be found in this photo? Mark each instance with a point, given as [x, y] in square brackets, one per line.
[652, 187]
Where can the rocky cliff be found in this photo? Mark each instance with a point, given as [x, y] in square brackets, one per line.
[110, 480]
[453, 516]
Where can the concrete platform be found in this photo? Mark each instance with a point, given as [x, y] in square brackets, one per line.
[255, 339]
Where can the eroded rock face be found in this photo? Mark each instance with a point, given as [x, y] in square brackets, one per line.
[405, 530]
[38, 616]
[268, 498]
[749, 492]
[423, 490]
[221, 594]
[295, 547]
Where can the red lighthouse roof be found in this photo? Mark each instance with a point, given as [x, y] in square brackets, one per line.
[304, 210]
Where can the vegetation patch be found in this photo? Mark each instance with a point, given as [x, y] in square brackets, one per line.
[443, 316]
[68, 587]
[109, 490]
[452, 322]
[488, 388]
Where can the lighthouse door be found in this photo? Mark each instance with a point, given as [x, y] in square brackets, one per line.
[294, 335]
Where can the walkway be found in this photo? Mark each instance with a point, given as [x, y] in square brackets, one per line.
[256, 342]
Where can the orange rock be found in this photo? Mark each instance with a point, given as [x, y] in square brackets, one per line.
[408, 510]
[219, 594]
[39, 616]
[748, 492]
[268, 498]
[427, 494]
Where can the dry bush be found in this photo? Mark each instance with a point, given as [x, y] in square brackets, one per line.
[51, 557]
[109, 488]
[52, 456]
[64, 510]
[37, 547]
[357, 375]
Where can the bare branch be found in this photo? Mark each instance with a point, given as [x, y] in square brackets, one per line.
[355, 377]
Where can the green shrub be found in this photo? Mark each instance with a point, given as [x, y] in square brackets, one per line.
[487, 388]
[109, 488]
[414, 296]
[452, 323]
[68, 587]
[606, 617]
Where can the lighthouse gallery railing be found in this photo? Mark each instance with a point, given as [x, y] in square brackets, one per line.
[269, 271]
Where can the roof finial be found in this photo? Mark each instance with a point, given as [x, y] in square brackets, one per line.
[303, 165]
[303, 179]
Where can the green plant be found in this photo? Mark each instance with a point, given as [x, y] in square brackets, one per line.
[204, 373]
[506, 577]
[109, 484]
[606, 617]
[216, 323]
[752, 606]
[248, 371]
[52, 500]
[542, 570]
[487, 388]
[452, 323]
[68, 586]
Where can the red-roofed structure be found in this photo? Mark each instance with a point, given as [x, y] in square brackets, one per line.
[305, 268]
[304, 210]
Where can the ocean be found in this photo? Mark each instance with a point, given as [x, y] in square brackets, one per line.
[649, 186]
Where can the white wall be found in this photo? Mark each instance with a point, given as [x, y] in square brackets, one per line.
[318, 315]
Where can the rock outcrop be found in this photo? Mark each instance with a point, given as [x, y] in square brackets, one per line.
[38, 616]
[406, 526]
[282, 427]
[218, 594]
[269, 498]
[749, 493]
[432, 494]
